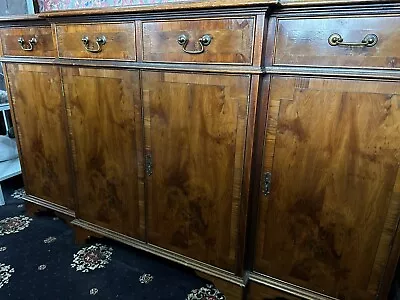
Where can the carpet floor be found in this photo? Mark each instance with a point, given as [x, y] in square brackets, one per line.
[39, 260]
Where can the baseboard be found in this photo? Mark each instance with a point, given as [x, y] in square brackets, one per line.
[170, 255]
[287, 287]
[49, 205]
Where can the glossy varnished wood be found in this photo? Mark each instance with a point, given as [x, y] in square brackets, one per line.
[256, 291]
[332, 147]
[39, 110]
[120, 40]
[330, 223]
[177, 6]
[195, 129]
[104, 114]
[44, 47]
[301, 3]
[232, 40]
[305, 42]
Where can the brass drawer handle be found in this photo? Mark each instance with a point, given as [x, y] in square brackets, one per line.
[31, 43]
[100, 41]
[369, 40]
[205, 40]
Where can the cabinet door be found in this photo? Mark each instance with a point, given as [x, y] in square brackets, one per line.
[39, 110]
[332, 148]
[195, 127]
[104, 115]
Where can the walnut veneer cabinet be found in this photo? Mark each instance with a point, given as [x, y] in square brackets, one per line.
[257, 142]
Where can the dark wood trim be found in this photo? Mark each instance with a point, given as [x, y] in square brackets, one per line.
[187, 67]
[170, 255]
[22, 21]
[258, 146]
[295, 3]
[14, 120]
[387, 74]
[177, 6]
[335, 72]
[139, 40]
[247, 170]
[288, 287]
[68, 133]
[269, 48]
[260, 33]
[356, 9]
[49, 205]
[158, 16]
[20, 18]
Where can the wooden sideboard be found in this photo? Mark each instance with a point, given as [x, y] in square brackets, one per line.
[256, 142]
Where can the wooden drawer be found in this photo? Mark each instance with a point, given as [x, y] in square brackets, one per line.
[231, 41]
[305, 42]
[119, 41]
[28, 41]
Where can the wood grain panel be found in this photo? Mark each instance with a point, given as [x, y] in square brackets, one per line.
[195, 130]
[333, 148]
[44, 46]
[305, 42]
[40, 116]
[232, 40]
[104, 112]
[120, 40]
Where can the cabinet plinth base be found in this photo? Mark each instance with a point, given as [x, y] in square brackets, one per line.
[210, 272]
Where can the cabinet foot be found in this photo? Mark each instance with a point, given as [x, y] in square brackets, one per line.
[32, 209]
[83, 235]
[230, 290]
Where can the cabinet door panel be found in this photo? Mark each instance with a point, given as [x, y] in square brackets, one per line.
[195, 127]
[333, 148]
[104, 114]
[39, 110]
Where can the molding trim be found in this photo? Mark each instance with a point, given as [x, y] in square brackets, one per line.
[388, 74]
[175, 257]
[49, 205]
[338, 8]
[162, 15]
[177, 67]
[287, 287]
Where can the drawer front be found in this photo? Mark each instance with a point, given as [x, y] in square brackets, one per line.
[305, 42]
[97, 41]
[28, 41]
[227, 40]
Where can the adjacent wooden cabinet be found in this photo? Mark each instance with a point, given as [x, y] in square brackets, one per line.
[195, 128]
[105, 120]
[256, 143]
[332, 153]
[40, 119]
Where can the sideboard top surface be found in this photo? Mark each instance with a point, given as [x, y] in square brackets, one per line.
[187, 5]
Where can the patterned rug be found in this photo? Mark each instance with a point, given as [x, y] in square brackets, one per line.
[39, 260]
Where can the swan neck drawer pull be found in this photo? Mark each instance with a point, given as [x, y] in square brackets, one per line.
[204, 41]
[369, 40]
[31, 43]
[100, 41]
